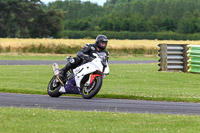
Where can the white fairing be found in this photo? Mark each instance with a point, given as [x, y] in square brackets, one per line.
[88, 68]
[107, 70]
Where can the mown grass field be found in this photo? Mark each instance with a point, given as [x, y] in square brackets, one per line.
[136, 81]
[132, 81]
[20, 120]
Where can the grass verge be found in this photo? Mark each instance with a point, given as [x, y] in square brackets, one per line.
[130, 81]
[20, 120]
[32, 56]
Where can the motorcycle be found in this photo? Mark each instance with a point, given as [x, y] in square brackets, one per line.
[85, 79]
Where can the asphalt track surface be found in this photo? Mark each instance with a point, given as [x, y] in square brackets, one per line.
[98, 104]
[95, 104]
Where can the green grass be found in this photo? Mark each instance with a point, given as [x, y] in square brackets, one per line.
[20, 120]
[21, 56]
[144, 81]
[130, 81]
[32, 57]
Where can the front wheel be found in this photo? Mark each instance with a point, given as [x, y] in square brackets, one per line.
[88, 92]
[54, 87]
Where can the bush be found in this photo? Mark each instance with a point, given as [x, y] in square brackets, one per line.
[131, 35]
[63, 49]
[8, 49]
[1, 49]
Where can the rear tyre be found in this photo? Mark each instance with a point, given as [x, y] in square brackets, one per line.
[54, 87]
[88, 92]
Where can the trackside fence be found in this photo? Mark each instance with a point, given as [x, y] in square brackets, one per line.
[173, 57]
[194, 58]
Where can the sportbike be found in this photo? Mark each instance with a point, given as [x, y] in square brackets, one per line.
[85, 79]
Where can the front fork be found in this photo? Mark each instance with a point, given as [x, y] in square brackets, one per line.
[91, 79]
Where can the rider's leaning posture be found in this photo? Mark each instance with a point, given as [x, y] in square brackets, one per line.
[85, 54]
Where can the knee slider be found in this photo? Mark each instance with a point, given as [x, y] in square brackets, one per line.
[72, 60]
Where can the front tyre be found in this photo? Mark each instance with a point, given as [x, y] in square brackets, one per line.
[88, 92]
[54, 87]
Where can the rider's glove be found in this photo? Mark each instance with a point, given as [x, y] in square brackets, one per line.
[85, 57]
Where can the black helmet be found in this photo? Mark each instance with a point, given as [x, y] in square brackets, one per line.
[101, 38]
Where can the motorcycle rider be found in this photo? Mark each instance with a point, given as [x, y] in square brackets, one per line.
[85, 55]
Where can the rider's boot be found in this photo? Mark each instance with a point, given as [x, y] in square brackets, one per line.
[63, 71]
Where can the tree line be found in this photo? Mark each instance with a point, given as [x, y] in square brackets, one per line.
[32, 18]
[180, 16]
[28, 18]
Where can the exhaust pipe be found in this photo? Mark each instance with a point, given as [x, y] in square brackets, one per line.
[56, 72]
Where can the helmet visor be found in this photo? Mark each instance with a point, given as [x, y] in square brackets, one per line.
[103, 43]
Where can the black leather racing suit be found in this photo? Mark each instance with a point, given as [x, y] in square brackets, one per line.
[83, 55]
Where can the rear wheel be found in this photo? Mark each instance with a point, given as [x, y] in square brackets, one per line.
[90, 91]
[54, 87]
